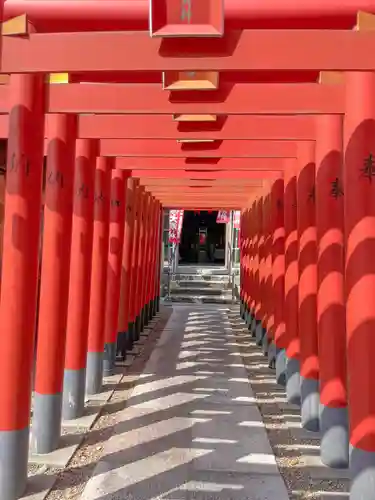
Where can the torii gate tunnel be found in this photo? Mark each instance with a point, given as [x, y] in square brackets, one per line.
[144, 105]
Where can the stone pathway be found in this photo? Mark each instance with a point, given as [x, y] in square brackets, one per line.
[191, 428]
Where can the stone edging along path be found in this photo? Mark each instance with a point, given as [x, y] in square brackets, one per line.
[63, 473]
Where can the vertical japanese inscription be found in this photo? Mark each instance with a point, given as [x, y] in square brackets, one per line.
[99, 198]
[115, 203]
[186, 11]
[55, 178]
[19, 165]
[336, 189]
[368, 168]
[82, 191]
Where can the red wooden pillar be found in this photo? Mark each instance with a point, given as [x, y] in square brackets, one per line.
[158, 251]
[149, 259]
[252, 257]
[264, 272]
[267, 286]
[155, 293]
[246, 267]
[359, 211]
[259, 308]
[292, 341]
[159, 260]
[115, 251]
[124, 318]
[254, 276]
[242, 266]
[307, 286]
[99, 266]
[19, 276]
[54, 291]
[334, 449]
[139, 260]
[134, 263]
[278, 277]
[80, 279]
[152, 266]
[145, 262]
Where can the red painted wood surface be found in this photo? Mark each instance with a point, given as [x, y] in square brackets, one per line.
[310, 50]
[63, 15]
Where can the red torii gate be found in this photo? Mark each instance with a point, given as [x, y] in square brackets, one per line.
[291, 294]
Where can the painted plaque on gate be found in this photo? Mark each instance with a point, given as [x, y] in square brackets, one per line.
[186, 18]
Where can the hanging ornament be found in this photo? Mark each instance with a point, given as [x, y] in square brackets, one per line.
[222, 217]
[175, 225]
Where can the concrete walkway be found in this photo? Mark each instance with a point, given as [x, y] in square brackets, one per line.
[191, 429]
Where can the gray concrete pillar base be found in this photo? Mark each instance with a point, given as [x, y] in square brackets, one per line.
[272, 354]
[94, 372]
[259, 333]
[141, 321]
[137, 328]
[280, 365]
[155, 307]
[46, 429]
[158, 304]
[293, 381]
[253, 326]
[74, 394]
[250, 320]
[151, 309]
[109, 358]
[14, 454]
[246, 317]
[146, 314]
[121, 346]
[242, 309]
[362, 471]
[310, 402]
[334, 446]
[131, 335]
[265, 343]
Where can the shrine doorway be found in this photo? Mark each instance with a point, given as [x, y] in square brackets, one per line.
[203, 240]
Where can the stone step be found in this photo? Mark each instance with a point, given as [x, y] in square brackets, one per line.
[201, 277]
[202, 299]
[198, 284]
[175, 290]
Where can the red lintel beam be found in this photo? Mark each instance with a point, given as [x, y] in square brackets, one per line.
[173, 182]
[319, 50]
[260, 164]
[147, 151]
[260, 127]
[196, 207]
[272, 98]
[207, 199]
[299, 127]
[92, 15]
[220, 149]
[78, 15]
[188, 204]
[204, 190]
[204, 174]
[302, 98]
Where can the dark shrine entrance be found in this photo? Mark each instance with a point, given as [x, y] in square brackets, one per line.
[202, 239]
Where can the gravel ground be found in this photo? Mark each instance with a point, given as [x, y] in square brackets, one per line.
[72, 480]
[288, 449]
